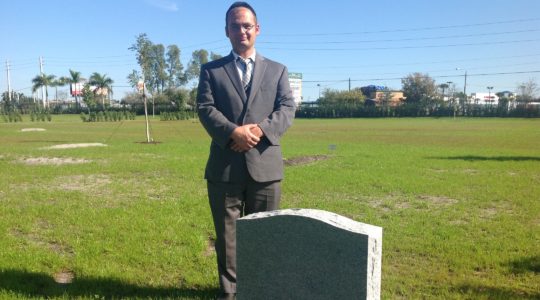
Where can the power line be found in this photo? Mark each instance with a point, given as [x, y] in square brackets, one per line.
[440, 76]
[401, 40]
[404, 47]
[410, 29]
[476, 59]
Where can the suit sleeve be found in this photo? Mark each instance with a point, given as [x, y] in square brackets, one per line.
[216, 124]
[275, 125]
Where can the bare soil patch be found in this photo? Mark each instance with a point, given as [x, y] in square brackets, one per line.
[78, 145]
[438, 200]
[82, 183]
[389, 203]
[36, 239]
[210, 247]
[65, 276]
[32, 161]
[32, 129]
[495, 210]
[304, 160]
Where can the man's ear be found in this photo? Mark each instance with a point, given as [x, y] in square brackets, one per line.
[226, 31]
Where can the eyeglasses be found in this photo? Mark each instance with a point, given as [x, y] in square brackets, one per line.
[242, 27]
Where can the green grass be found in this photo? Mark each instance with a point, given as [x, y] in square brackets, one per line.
[458, 200]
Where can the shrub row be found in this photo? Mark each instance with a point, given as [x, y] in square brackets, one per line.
[173, 116]
[107, 116]
[12, 117]
[361, 111]
[35, 116]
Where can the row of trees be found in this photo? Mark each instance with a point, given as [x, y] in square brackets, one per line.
[421, 89]
[422, 96]
[162, 71]
[101, 82]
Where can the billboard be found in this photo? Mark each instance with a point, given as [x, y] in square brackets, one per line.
[295, 79]
[76, 89]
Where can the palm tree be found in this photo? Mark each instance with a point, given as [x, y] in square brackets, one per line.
[43, 80]
[443, 87]
[102, 84]
[75, 77]
[56, 83]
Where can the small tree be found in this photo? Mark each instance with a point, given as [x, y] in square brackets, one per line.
[419, 88]
[199, 57]
[89, 98]
[526, 91]
[333, 97]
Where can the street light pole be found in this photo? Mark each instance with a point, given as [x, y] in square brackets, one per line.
[489, 93]
[319, 85]
[465, 86]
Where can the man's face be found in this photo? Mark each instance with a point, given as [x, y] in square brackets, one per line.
[242, 30]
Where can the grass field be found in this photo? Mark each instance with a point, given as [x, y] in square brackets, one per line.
[458, 200]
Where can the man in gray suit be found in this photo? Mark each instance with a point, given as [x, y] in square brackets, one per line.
[245, 104]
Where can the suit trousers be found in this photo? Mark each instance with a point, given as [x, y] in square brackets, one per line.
[228, 202]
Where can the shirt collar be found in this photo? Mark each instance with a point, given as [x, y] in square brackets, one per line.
[252, 56]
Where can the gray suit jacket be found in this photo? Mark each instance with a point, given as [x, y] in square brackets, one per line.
[223, 105]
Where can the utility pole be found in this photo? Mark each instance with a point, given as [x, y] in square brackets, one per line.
[8, 81]
[43, 94]
[349, 84]
[465, 86]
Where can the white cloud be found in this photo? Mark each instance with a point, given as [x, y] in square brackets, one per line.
[163, 4]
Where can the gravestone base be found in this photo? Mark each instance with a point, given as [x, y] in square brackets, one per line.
[307, 254]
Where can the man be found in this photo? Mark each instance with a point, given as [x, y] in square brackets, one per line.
[245, 104]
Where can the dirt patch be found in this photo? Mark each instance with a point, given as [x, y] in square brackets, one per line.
[82, 182]
[32, 129]
[65, 276]
[389, 203]
[72, 146]
[493, 211]
[304, 160]
[35, 239]
[458, 222]
[210, 247]
[488, 213]
[56, 161]
[438, 200]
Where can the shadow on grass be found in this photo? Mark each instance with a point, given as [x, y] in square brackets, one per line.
[526, 264]
[518, 266]
[37, 285]
[488, 158]
[488, 292]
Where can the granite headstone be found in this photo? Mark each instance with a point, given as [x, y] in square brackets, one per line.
[307, 254]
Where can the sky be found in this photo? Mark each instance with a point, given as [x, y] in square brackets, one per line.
[334, 44]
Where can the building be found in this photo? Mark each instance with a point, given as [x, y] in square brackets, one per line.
[484, 99]
[381, 95]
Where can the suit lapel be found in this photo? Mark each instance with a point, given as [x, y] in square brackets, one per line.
[232, 72]
[258, 74]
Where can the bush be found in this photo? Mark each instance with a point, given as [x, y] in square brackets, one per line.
[174, 116]
[107, 116]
